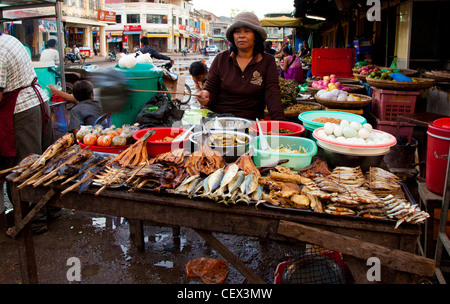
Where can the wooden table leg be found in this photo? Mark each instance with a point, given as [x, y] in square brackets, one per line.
[137, 232]
[230, 257]
[25, 240]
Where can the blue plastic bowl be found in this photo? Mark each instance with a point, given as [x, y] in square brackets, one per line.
[296, 160]
[308, 117]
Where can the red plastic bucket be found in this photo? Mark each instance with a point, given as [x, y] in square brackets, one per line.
[437, 154]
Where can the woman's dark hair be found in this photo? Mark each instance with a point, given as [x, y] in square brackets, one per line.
[51, 43]
[259, 45]
[82, 90]
[197, 68]
[287, 50]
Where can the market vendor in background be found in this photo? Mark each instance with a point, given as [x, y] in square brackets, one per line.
[306, 51]
[244, 80]
[292, 66]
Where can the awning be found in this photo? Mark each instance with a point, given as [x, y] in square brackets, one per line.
[275, 39]
[132, 32]
[115, 33]
[282, 21]
[196, 36]
[176, 34]
[158, 35]
[185, 35]
[77, 20]
[220, 38]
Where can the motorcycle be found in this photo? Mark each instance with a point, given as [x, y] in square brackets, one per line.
[187, 90]
[71, 57]
[112, 56]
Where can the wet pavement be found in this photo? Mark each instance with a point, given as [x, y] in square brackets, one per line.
[108, 255]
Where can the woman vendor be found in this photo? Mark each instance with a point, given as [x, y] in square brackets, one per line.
[244, 80]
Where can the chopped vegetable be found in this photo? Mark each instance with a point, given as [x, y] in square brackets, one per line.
[283, 149]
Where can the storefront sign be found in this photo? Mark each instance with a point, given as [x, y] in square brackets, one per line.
[106, 16]
[197, 30]
[182, 27]
[129, 28]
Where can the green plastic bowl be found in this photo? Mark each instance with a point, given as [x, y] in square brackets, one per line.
[296, 160]
[308, 117]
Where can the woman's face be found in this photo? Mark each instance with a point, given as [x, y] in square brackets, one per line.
[244, 38]
[200, 78]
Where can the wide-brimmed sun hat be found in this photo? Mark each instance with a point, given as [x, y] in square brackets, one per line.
[246, 19]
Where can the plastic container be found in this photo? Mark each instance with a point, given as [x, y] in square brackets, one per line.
[155, 147]
[144, 76]
[437, 155]
[45, 72]
[296, 160]
[308, 117]
[357, 150]
[398, 129]
[337, 61]
[387, 104]
[269, 126]
[113, 150]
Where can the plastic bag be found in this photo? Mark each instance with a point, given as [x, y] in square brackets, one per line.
[211, 271]
[159, 112]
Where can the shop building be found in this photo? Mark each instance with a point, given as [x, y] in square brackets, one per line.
[218, 28]
[167, 24]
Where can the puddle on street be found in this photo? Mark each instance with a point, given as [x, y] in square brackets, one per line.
[165, 264]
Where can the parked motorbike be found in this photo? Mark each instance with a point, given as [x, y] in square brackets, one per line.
[112, 56]
[72, 58]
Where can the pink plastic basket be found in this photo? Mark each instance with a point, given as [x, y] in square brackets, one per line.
[387, 104]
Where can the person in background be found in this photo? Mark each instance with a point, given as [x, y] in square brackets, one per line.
[153, 53]
[268, 48]
[244, 80]
[199, 73]
[76, 52]
[88, 110]
[306, 51]
[292, 66]
[25, 124]
[50, 54]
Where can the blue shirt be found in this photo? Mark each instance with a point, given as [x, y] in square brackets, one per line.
[85, 114]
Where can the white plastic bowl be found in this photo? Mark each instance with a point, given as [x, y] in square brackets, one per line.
[357, 150]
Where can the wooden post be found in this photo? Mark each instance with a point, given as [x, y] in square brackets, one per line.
[230, 257]
[25, 240]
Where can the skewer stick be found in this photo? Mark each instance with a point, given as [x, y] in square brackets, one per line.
[83, 180]
[92, 165]
[55, 171]
[15, 168]
[109, 181]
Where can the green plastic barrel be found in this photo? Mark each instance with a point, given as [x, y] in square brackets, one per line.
[144, 76]
[45, 75]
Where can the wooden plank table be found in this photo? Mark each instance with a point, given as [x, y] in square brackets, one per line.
[343, 234]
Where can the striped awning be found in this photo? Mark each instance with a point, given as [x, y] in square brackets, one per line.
[158, 35]
[132, 32]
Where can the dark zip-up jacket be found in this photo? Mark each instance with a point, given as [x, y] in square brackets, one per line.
[153, 53]
[245, 93]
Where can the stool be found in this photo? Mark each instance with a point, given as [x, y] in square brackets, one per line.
[428, 202]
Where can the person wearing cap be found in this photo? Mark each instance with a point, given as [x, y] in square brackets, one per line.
[244, 80]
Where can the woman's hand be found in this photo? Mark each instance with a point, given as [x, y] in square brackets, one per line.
[203, 97]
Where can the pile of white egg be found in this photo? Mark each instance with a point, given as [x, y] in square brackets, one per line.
[353, 133]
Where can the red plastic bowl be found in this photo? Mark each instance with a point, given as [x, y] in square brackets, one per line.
[112, 149]
[268, 125]
[155, 148]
